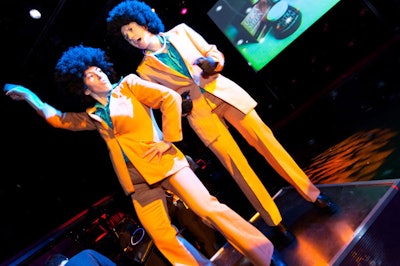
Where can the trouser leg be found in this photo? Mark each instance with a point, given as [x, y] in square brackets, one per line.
[260, 136]
[228, 152]
[151, 209]
[194, 227]
[241, 234]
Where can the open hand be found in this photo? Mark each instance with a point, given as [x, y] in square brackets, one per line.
[158, 150]
[16, 92]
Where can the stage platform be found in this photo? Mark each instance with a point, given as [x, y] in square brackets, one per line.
[365, 230]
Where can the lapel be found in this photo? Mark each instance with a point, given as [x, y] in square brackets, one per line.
[176, 40]
[91, 113]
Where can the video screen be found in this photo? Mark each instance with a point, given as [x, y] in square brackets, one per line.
[261, 29]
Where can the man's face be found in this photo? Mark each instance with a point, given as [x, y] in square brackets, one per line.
[136, 35]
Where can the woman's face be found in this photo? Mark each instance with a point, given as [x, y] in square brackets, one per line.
[136, 35]
[96, 80]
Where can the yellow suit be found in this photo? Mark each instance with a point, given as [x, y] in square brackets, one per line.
[224, 100]
[134, 132]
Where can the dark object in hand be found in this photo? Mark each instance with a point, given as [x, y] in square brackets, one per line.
[187, 104]
[208, 65]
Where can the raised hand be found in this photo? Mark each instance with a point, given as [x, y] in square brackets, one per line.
[17, 92]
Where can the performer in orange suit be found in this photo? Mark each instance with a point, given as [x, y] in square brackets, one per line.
[144, 158]
[182, 60]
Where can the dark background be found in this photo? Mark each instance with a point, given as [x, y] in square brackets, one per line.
[350, 58]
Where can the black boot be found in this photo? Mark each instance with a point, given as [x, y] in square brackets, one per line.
[325, 204]
[277, 259]
[284, 236]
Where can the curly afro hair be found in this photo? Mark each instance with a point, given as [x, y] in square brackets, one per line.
[73, 63]
[133, 11]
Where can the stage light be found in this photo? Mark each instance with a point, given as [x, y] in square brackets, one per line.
[183, 11]
[182, 5]
[35, 14]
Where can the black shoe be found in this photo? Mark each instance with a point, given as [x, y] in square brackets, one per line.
[283, 234]
[324, 203]
[277, 259]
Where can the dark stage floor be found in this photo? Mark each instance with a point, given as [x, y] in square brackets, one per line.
[358, 234]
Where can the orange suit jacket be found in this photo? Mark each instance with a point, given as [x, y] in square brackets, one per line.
[191, 45]
[134, 129]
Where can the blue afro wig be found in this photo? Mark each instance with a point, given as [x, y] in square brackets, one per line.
[133, 11]
[73, 63]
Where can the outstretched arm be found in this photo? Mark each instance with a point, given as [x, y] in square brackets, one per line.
[19, 93]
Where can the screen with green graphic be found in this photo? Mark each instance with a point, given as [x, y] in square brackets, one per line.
[261, 29]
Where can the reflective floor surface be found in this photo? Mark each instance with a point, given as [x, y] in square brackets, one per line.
[323, 239]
